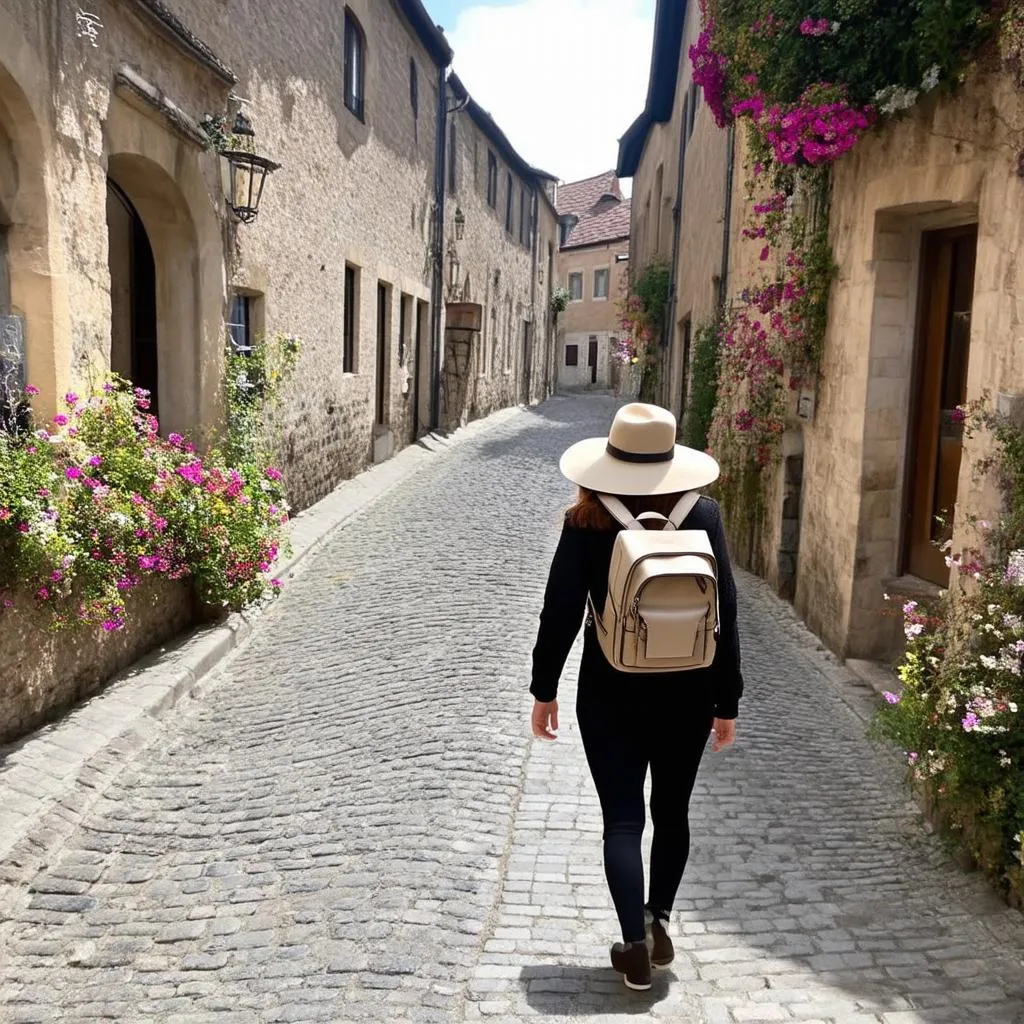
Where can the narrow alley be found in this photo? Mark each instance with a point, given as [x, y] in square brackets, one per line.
[353, 823]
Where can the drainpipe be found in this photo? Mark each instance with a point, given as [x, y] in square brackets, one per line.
[723, 280]
[673, 295]
[437, 242]
[534, 246]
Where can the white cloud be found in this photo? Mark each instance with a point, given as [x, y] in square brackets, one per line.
[562, 78]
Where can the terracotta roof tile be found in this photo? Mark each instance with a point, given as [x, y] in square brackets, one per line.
[602, 210]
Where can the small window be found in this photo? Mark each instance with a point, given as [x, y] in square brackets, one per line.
[453, 158]
[240, 324]
[509, 205]
[576, 286]
[355, 65]
[351, 324]
[601, 283]
[524, 222]
[572, 355]
[492, 179]
[414, 89]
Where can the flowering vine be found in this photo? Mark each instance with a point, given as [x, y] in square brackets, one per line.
[807, 81]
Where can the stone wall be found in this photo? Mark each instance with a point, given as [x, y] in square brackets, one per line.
[948, 163]
[505, 272]
[349, 192]
[45, 672]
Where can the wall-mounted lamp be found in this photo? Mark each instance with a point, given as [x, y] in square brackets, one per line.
[246, 171]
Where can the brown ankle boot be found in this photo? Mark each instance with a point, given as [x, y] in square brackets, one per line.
[633, 962]
[659, 943]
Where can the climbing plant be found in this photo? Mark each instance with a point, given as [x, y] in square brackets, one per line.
[806, 82]
[642, 319]
[700, 407]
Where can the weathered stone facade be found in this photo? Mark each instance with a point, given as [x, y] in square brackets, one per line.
[948, 165]
[679, 161]
[502, 263]
[118, 251]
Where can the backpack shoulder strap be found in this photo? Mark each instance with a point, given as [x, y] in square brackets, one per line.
[619, 511]
[684, 507]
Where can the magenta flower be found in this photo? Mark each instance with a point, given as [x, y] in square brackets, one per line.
[71, 398]
[43, 594]
[23, 528]
[273, 474]
[891, 698]
[95, 461]
[175, 439]
[60, 420]
[72, 473]
[970, 721]
[192, 472]
[31, 389]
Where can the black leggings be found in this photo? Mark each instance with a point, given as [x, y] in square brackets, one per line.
[623, 734]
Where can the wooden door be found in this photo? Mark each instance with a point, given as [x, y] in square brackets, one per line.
[382, 354]
[936, 443]
[592, 359]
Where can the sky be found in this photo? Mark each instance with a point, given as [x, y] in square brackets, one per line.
[563, 79]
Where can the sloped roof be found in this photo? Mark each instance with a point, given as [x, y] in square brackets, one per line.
[601, 209]
[669, 22]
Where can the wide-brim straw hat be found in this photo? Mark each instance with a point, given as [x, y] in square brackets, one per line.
[639, 456]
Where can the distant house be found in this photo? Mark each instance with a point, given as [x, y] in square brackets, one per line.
[593, 263]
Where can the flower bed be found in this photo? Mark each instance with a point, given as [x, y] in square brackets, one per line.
[108, 529]
[958, 714]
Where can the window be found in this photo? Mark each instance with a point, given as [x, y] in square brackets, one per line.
[404, 324]
[492, 179]
[414, 89]
[509, 205]
[572, 355]
[576, 286]
[601, 283]
[524, 222]
[351, 324]
[453, 157]
[240, 323]
[355, 65]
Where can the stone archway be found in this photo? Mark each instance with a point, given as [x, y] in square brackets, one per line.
[156, 322]
[32, 351]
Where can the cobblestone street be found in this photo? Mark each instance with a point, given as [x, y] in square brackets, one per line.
[353, 823]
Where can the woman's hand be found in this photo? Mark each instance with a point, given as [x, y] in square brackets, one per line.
[545, 720]
[724, 730]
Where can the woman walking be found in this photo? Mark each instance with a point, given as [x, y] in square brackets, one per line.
[628, 721]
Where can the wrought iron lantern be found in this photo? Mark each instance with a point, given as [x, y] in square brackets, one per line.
[246, 171]
[460, 223]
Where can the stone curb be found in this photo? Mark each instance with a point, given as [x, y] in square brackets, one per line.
[49, 778]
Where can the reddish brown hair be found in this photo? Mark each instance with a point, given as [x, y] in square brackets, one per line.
[589, 514]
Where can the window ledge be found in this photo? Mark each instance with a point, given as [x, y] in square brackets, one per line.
[913, 587]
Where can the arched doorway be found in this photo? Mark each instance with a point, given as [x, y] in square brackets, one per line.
[133, 320]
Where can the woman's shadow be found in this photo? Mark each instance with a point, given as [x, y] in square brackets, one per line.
[584, 991]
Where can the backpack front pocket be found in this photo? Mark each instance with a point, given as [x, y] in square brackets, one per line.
[677, 633]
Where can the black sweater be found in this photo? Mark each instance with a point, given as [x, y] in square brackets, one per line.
[581, 565]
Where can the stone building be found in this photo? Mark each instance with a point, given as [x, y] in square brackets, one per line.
[927, 219]
[122, 253]
[680, 163]
[593, 264]
[501, 232]
[118, 250]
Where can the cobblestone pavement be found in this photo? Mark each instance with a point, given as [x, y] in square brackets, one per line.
[353, 825]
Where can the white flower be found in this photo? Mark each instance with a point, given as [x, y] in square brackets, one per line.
[120, 518]
[930, 80]
[895, 98]
[835, 26]
[989, 662]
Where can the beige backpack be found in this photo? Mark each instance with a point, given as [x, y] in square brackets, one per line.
[661, 613]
